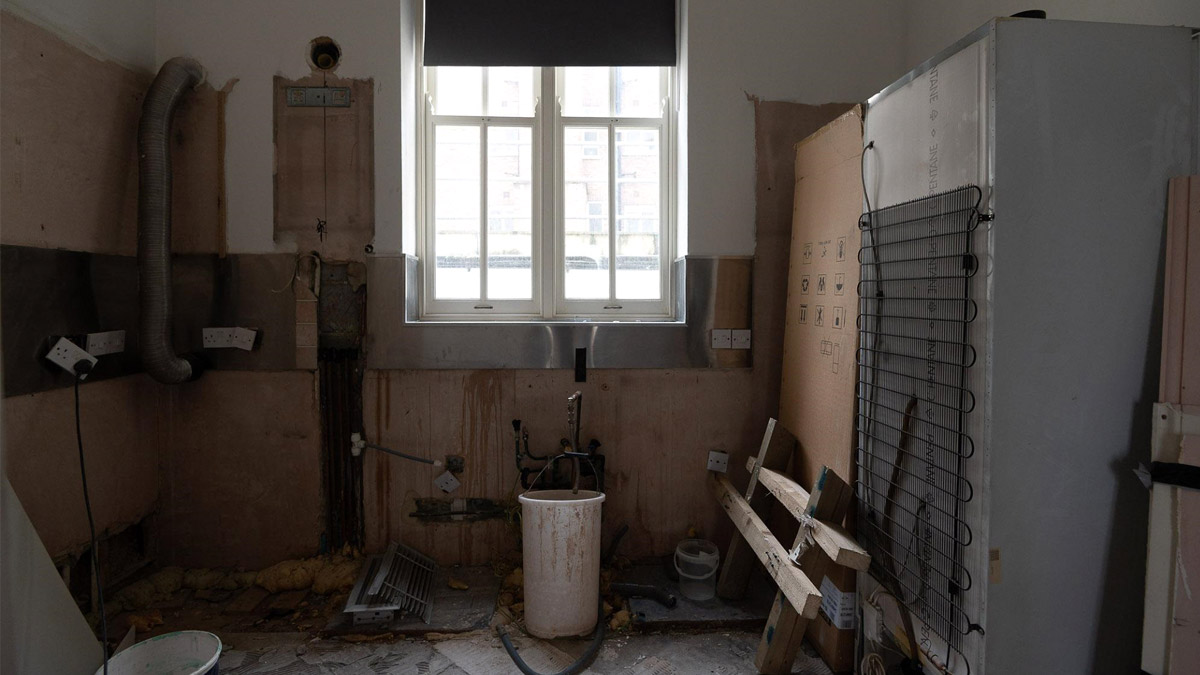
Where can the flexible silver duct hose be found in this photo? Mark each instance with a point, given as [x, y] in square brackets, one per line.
[174, 79]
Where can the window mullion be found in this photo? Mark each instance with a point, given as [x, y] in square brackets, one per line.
[612, 190]
[552, 259]
[483, 214]
[612, 216]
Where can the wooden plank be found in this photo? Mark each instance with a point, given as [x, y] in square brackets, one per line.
[1174, 283]
[794, 584]
[1189, 379]
[784, 632]
[833, 539]
[776, 450]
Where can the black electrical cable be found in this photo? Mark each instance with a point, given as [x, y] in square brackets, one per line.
[80, 371]
[862, 170]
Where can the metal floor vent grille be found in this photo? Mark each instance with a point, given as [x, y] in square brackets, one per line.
[398, 581]
[915, 309]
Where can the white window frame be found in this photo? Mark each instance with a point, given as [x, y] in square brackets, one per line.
[548, 284]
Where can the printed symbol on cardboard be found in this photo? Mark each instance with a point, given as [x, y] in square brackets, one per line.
[841, 249]
[804, 285]
[825, 249]
[820, 284]
[808, 251]
[826, 347]
[803, 313]
[837, 357]
[839, 284]
[839, 317]
[819, 319]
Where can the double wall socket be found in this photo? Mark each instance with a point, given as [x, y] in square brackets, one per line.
[731, 338]
[221, 338]
[109, 342]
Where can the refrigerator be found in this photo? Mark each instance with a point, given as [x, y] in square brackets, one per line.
[1009, 332]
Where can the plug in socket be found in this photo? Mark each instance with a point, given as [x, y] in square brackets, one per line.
[65, 354]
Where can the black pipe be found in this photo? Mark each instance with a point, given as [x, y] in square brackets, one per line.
[580, 664]
[644, 591]
[611, 551]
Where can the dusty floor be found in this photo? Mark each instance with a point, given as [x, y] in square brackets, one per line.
[481, 653]
[302, 632]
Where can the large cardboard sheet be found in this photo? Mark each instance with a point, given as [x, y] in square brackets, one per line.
[817, 390]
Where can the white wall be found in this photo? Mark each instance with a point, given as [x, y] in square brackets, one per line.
[795, 50]
[775, 49]
[253, 42]
[121, 31]
[804, 51]
[935, 24]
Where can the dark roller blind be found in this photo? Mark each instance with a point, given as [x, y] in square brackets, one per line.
[549, 33]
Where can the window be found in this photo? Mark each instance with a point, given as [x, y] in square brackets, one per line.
[547, 211]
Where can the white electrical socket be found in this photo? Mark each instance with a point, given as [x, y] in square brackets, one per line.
[110, 342]
[718, 460]
[741, 338]
[243, 338]
[217, 338]
[722, 338]
[66, 354]
[447, 482]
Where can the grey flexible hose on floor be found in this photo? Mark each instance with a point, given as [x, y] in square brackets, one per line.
[580, 664]
[174, 79]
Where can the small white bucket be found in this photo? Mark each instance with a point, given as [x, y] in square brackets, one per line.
[697, 561]
[187, 652]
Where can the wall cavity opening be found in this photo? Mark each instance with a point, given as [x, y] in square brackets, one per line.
[324, 53]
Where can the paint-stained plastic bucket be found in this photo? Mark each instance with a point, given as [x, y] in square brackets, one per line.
[560, 532]
[188, 652]
[697, 561]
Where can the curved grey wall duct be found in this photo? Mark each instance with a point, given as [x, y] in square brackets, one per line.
[174, 79]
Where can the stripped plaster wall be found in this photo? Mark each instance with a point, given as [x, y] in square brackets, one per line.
[255, 41]
[775, 49]
[647, 419]
[236, 446]
[67, 181]
[266, 451]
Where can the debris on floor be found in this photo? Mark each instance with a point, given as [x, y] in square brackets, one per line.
[480, 653]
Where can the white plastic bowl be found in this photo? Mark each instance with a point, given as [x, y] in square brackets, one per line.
[187, 652]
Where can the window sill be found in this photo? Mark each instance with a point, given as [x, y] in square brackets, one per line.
[398, 339]
[543, 322]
